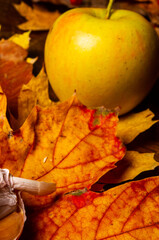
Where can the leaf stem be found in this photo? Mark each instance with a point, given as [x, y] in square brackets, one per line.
[109, 7]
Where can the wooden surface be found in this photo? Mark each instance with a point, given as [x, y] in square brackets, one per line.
[9, 19]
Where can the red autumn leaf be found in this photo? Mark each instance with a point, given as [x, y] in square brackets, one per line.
[66, 143]
[129, 211]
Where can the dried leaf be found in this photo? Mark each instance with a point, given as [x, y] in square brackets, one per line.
[23, 40]
[157, 30]
[138, 162]
[128, 168]
[14, 70]
[149, 9]
[152, 8]
[67, 144]
[39, 86]
[129, 211]
[132, 125]
[4, 125]
[14, 148]
[74, 146]
[23, 107]
[3, 103]
[31, 94]
[37, 18]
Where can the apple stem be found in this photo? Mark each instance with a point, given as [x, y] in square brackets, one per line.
[109, 7]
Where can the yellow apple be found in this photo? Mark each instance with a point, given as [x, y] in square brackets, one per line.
[109, 61]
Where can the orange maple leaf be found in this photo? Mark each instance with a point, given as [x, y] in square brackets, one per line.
[66, 143]
[129, 211]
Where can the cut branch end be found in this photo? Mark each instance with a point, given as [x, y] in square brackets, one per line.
[33, 186]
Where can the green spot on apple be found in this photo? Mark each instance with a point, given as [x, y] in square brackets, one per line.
[110, 57]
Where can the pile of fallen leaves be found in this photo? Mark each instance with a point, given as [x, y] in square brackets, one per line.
[38, 18]
[82, 150]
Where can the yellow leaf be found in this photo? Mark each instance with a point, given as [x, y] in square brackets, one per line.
[128, 168]
[22, 40]
[39, 86]
[138, 162]
[37, 18]
[31, 60]
[4, 125]
[132, 125]
[3, 102]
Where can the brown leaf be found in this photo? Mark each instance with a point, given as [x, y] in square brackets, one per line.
[14, 70]
[31, 94]
[132, 125]
[37, 17]
[67, 144]
[149, 9]
[129, 211]
[157, 30]
[152, 8]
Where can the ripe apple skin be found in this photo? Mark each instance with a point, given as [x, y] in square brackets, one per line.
[109, 62]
